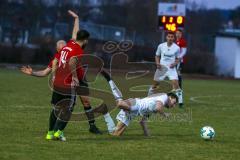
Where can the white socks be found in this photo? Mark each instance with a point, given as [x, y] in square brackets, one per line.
[110, 123]
[179, 93]
[150, 91]
[115, 91]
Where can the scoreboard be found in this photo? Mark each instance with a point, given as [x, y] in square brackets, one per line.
[171, 23]
[171, 16]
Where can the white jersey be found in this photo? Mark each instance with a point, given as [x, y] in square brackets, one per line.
[143, 107]
[148, 105]
[168, 54]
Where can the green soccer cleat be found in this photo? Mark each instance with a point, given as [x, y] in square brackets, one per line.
[49, 135]
[59, 136]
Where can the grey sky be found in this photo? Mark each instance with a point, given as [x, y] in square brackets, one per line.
[223, 4]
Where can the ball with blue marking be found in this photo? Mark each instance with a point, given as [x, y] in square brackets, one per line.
[207, 133]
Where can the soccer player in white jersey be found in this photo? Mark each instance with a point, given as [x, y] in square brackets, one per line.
[134, 107]
[166, 61]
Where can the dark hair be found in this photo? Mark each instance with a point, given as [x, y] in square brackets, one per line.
[170, 32]
[173, 95]
[179, 30]
[82, 35]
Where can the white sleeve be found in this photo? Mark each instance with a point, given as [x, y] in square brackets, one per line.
[183, 52]
[158, 52]
[163, 99]
[177, 54]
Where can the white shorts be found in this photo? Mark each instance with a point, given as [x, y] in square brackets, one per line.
[126, 117]
[170, 73]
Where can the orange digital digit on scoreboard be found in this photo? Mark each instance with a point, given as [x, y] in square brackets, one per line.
[171, 23]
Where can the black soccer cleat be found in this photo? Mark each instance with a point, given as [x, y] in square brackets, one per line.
[93, 129]
[106, 75]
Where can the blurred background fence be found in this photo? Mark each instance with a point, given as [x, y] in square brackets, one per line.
[30, 28]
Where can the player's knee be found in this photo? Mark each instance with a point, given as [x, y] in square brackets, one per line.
[155, 84]
[115, 133]
[85, 102]
[154, 87]
[175, 84]
[121, 104]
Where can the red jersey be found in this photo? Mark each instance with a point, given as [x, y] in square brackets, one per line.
[80, 72]
[182, 44]
[63, 75]
[50, 63]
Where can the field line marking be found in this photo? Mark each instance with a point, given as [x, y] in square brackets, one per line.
[194, 99]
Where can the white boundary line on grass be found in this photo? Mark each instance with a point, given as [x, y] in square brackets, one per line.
[227, 105]
[195, 99]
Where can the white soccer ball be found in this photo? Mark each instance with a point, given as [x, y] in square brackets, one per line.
[207, 132]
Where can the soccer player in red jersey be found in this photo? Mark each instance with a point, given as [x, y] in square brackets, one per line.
[84, 99]
[181, 42]
[66, 79]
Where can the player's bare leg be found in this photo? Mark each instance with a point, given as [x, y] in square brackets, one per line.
[144, 126]
[103, 109]
[90, 115]
[63, 111]
[175, 84]
[153, 87]
[120, 128]
[161, 70]
[125, 105]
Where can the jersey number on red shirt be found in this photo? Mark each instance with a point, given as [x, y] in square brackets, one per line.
[63, 58]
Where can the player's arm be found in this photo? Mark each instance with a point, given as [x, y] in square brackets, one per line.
[73, 66]
[157, 60]
[76, 24]
[160, 109]
[125, 105]
[177, 59]
[54, 68]
[175, 63]
[29, 71]
[158, 57]
[54, 65]
[183, 51]
[144, 126]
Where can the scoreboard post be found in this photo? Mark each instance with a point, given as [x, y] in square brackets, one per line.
[171, 16]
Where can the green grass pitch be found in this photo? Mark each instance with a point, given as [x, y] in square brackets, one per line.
[25, 106]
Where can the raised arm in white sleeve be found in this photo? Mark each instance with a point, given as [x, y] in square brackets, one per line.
[183, 52]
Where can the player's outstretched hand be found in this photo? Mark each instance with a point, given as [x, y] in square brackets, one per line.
[26, 70]
[73, 14]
